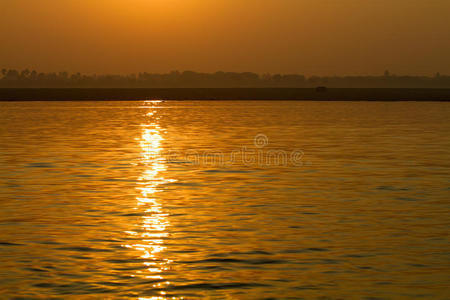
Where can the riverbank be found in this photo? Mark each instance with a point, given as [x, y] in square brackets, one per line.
[86, 94]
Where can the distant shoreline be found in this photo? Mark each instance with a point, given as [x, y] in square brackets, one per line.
[299, 94]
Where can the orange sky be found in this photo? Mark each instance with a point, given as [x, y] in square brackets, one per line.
[322, 37]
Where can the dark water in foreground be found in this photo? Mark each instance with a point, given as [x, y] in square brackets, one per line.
[340, 200]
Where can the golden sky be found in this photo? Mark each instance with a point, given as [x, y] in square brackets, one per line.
[311, 37]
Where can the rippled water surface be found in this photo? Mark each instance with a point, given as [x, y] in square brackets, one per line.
[162, 200]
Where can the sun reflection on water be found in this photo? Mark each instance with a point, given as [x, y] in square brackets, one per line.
[154, 222]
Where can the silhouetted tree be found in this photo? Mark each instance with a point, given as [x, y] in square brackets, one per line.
[27, 78]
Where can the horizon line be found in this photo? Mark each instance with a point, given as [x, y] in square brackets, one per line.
[386, 73]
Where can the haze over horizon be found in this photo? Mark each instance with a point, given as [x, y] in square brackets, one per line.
[308, 37]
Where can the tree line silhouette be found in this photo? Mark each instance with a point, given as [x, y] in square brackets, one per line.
[10, 78]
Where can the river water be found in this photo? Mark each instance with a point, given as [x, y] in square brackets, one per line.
[224, 200]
